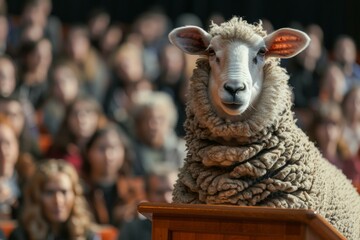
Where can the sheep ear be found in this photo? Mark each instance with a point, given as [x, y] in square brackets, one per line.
[190, 39]
[286, 43]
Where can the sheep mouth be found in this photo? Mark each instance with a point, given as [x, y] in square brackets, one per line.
[233, 106]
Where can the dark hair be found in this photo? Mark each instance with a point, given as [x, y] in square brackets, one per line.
[64, 135]
[126, 168]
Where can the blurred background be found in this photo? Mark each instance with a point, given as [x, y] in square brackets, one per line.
[334, 16]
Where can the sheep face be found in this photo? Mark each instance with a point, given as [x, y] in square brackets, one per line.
[237, 61]
[236, 74]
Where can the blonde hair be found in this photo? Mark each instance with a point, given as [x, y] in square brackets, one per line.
[32, 217]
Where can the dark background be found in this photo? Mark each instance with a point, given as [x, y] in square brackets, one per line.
[334, 16]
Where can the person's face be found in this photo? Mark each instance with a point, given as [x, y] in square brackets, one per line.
[9, 150]
[173, 59]
[34, 15]
[328, 131]
[335, 83]
[106, 156]
[57, 198]
[111, 39]
[159, 190]
[129, 69]
[353, 106]
[345, 51]
[66, 84]
[83, 120]
[7, 78]
[154, 126]
[4, 29]
[14, 111]
[44, 52]
[79, 45]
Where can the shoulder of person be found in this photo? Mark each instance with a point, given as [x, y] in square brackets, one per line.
[18, 234]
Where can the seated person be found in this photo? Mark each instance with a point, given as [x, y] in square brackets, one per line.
[54, 205]
[9, 177]
[158, 189]
[111, 190]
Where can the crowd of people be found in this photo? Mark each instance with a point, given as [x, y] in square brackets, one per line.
[92, 114]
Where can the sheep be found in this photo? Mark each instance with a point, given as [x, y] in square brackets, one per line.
[243, 145]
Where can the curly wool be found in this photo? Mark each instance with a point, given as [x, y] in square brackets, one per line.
[264, 159]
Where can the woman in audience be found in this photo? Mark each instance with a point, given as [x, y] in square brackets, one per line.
[7, 76]
[172, 80]
[158, 188]
[26, 131]
[351, 111]
[345, 50]
[158, 148]
[332, 85]
[110, 187]
[9, 179]
[64, 88]
[54, 205]
[110, 40]
[8, 80]
[326, 132]
[127, 83]
[94, 73]
[82, 118]
[36, 58]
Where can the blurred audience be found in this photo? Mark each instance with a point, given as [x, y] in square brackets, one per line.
[158, 189]
[82, 118]
[108, 158]
[36, 58]
[345, 52]
[128, 82]
[332, 84]
[9, 179]
[13, 108]
[35, 23]
[172, 80]
[54, 205]
[152, 26]
[64, 88]
[110, 40]
[326, 131]
[351, 112]
[306, 71]
[98, 22]
[4, 33]
[94, 73]
[8, 74]
[158, 148]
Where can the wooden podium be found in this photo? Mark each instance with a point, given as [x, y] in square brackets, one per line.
[220, 222]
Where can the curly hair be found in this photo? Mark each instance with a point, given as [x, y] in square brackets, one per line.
[32, 218]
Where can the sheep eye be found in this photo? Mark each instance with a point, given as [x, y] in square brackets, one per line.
[211, 52]
[262, 51]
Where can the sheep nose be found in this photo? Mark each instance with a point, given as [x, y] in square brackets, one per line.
[233, 89]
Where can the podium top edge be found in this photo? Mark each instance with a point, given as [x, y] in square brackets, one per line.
[208, 210]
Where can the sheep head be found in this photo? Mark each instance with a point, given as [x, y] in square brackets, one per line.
[237, 57]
